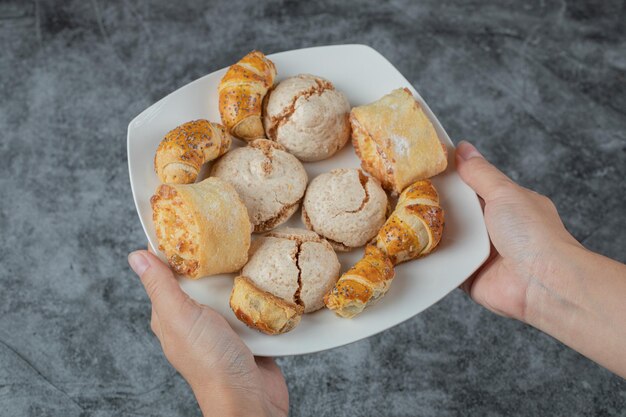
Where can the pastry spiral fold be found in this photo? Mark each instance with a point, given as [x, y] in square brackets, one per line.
[202, 228]
[263, 310]
[414, 228]
[363, 284]
[184, 150]
[241, 93]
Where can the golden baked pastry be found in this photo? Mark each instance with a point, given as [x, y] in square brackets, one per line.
[202, 228]
[361, 285]
[414, 229]
[262, 310]
[182, 152]
[396, 142]
[241, 94]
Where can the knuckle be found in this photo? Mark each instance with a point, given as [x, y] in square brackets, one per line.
[541, 199]
[473, 166]
[504, 188]
[547, 202]
[168, 352]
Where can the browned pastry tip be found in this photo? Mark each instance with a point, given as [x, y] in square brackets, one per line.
[415, 226]
[241, 94]
[363, 284]
[262, 310]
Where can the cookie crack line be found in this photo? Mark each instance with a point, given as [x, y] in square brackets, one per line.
[363, 179]
[268, 153]
[282, 118]
[273, 221]
[296, 296]
[338, 244]
[299, 241]
[309, 225]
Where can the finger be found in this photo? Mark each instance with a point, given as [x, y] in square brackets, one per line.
[266, 362]
[483, 282]
[161, 286]
[268, 365]
[466, 286]
[477, 172]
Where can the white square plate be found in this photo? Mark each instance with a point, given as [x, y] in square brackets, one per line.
[364, 76]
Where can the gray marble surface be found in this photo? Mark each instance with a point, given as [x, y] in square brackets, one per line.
[539, 86]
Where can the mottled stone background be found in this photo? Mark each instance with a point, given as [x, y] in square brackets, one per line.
[538, 85]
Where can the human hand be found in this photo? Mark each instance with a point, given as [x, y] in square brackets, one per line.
[224, 375]
[528, 238]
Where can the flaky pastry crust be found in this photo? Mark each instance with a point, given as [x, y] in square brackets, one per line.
[202, 228]
[184, 150]
[396, 141]
[241, 93]
[412, 230]
[262, 310]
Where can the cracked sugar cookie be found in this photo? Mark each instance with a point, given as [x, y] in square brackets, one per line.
[346, 207]
[269, 180]
[288, 273]
[308, 116]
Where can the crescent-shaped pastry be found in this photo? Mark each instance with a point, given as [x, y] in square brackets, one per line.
[362, 285]
[241, 94]
[414, 229]
[185, 149]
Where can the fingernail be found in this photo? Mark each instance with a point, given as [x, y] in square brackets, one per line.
[467, 151]
[138, 262]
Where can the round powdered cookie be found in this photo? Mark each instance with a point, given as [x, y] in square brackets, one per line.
[346, 207]
[308, 116]
[269, 180]
[295, 265]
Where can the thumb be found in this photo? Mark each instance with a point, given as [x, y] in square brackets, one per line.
[478, 173]
[160, 283]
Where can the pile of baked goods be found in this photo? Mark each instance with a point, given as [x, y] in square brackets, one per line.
[206, 227]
